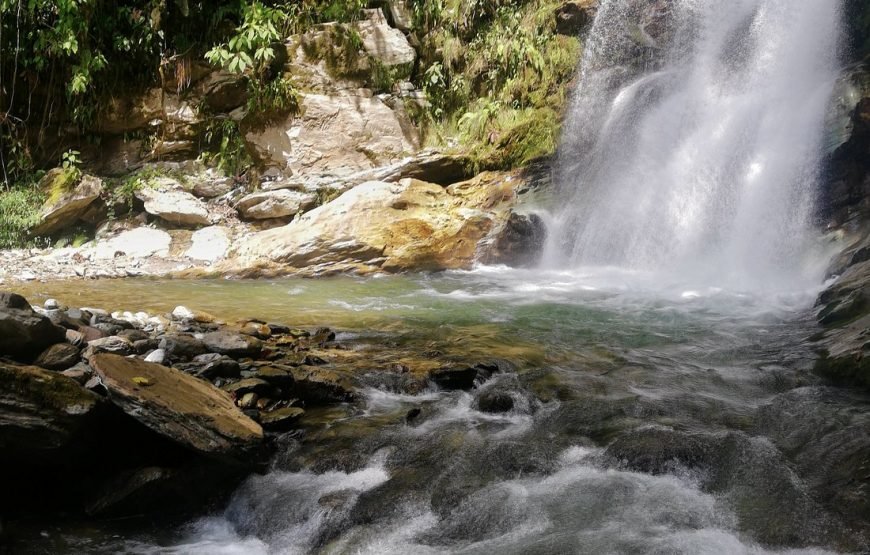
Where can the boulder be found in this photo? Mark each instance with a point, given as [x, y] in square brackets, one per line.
[181, 346]
[189, 411]
[59, 356]
[338, 134]
[377, 226]
[209, 244]
[281, 203]
[519, 242]
[319, 385]
[112, 344]
[174, 206]
[41, 412]
[213, 187]
[140, 243]
[67, 202]
[232, 344]
[24, 333]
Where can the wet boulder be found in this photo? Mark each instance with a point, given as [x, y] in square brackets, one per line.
[189, 411]
[281, 419]
[321, 385]
[24, 333]
[519, 242]
[659, 450]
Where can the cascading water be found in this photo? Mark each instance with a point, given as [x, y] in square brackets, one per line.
[694, 140]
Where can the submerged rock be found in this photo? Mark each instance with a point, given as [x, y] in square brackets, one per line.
[182, 408]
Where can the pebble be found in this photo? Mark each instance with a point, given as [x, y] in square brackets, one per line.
[182, 313]
[51, 304]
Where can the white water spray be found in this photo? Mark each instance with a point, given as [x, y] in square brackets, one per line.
[694, 141]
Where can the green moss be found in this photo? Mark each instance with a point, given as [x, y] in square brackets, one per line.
[59, 182]
[496, 77]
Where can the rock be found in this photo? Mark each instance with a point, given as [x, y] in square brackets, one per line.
[249, 385]
[209, 244]
[224, 91]
[181, 346]
[58, 357]
[337, 134]
[573, 17]
[519, 242]
[455, 377]
[42, 412]
[279, 377]
[68, 200]
[255, 329]
[157, 356]
[81, 373]
[23, 332]
[51, 304]
[494, 401]
[281, 419]
[248, 400]
[213, 188]
[141, 242]
[377, 226]
[215, 366]
[658, 451]
[174, 206]
[124, 113]
[232, 344]
[385, 44]
[845, 311]
[282, 203]
[112, 344]
[182, 408]
[400, 14]
[75, 337]
[319, 385]
[184, 313]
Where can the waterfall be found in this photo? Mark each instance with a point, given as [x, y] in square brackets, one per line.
[694, 138]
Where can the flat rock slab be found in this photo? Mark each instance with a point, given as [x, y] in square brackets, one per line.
[185, 409]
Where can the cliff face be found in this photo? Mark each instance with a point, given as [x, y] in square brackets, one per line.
[844, 308]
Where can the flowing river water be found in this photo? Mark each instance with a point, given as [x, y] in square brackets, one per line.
[647, 418]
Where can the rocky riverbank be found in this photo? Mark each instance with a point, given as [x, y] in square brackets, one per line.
[151, 415]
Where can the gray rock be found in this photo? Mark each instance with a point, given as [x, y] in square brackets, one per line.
[59, 356]
[156, 356]
[181, 346]
[282, 203]
[174, 206]
[112, 344]
[232, 344]
[23, 333]
[51, 304]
